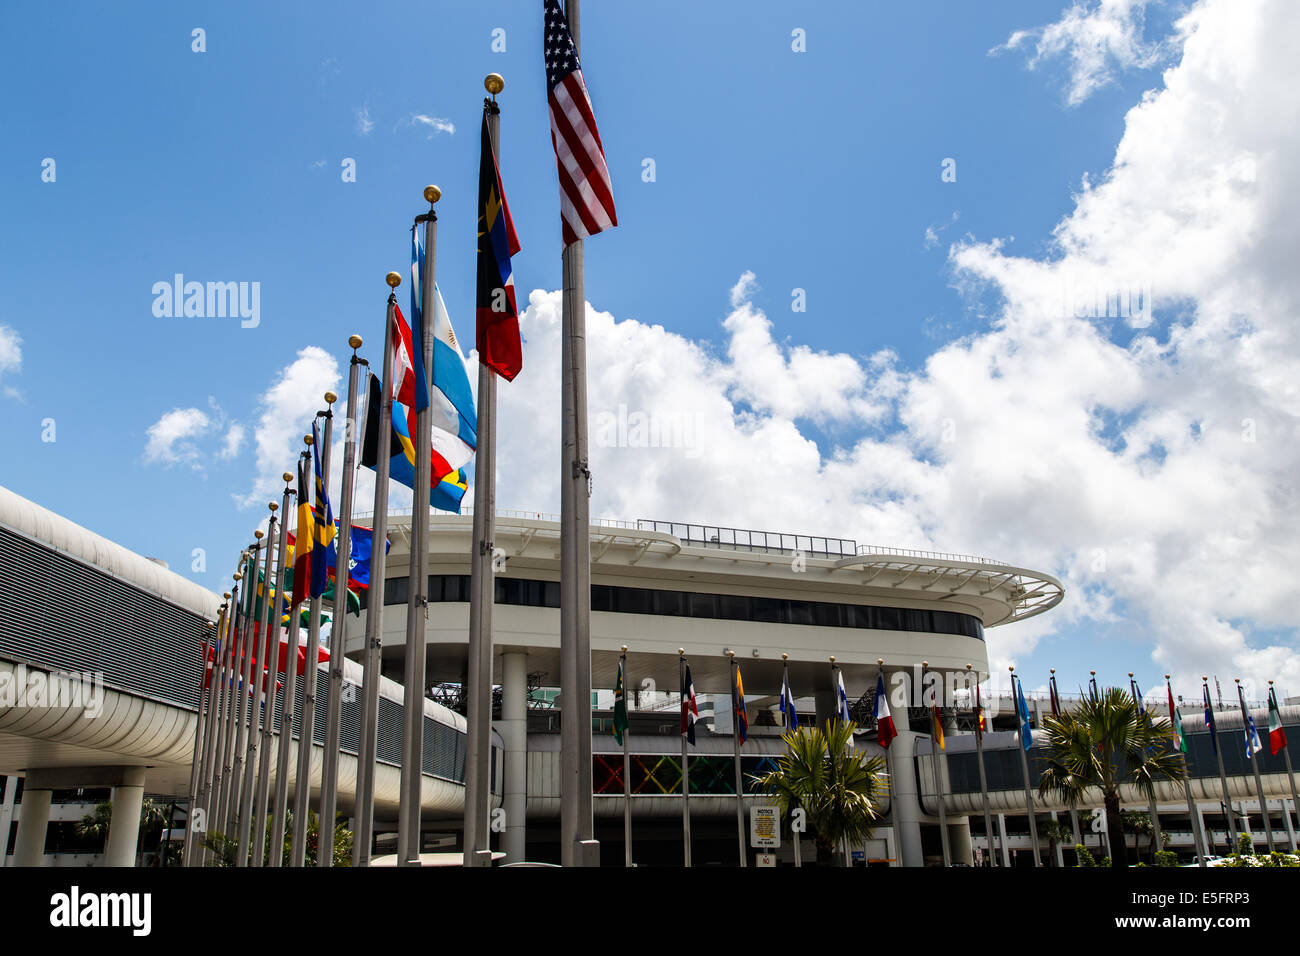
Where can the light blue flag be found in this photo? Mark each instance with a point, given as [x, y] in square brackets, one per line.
[1026, 731]
[1253, 743]
[787, 703]
[844, 700]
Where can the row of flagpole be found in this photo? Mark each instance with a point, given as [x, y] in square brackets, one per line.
[232, 766]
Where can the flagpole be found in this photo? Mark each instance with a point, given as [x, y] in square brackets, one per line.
[311, 675]
[1198, 833]
[364, 813]
[984, 782]
[196, 763]
[1223, 774]
[329, 784]
[417, 605]
[889, 773]
[627, 774]
[1154, 813]
[207, 772]
[1024, 766]
[248, 705]
[270, 622]
[576, 825]
[243, 671]
[686, 772]
[786, 693]
[1254, 765]
[226, 749]
[288, 702]
[735, 752]
[935, 750]
[1286, 756]
[478, 747]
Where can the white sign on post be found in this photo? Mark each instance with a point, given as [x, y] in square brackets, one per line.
[765, 828]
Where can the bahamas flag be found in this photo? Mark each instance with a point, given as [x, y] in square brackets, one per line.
[446, 488]
[496, 314]
[322, 541]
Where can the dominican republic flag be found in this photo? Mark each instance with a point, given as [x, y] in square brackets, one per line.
[495, 313]
[1209, 718]
[1276, 735]
[844, 698]
[586, 195]
[885, 731]
[738, 709]
[445, 490]
[1026, 730]
[1253, 743]
[690, 712]
[787, 703]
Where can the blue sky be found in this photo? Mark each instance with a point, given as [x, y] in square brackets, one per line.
[816, 170]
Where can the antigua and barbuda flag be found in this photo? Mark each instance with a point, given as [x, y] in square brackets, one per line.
[885, 730]
[1276, 735]
[787, 702]
[496, 317]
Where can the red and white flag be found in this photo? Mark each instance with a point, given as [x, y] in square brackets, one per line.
[586, 195]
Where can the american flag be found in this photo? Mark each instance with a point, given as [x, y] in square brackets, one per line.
[586, 196]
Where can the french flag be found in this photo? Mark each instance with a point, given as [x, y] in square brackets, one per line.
[885, 731]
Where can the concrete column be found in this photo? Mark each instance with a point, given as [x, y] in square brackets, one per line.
[1286, 818]
[1002, 833]
[7, 815]
[33, 821]
[959, 841]
[1209, 837]
[906, 806]
[514, 733]
[828, 706]
[124, 826]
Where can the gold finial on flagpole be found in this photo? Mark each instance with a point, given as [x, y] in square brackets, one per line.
[354, 342]
[394, 279]
[331, 398]
[494, 83]
[432, 194]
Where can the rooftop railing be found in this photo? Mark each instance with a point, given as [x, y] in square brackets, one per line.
[743, 539]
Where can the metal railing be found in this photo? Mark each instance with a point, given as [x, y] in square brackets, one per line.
[932, 555]
[743, 539]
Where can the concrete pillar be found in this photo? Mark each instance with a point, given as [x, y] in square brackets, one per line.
[1002, 842]
[828, 706]
[514, 734]
[1286, 819]
[7, 815]
[124, 826]
[906, 806]
[33, 821]
[1209, 837]
[959, 841]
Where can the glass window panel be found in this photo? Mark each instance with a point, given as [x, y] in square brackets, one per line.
[801, 612]
[702, 605]
[669, 603]
[770, 610]
[733, 607]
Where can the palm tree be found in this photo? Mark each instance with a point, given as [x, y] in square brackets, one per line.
[1054, 831]
[840, 791]
[1105, 743]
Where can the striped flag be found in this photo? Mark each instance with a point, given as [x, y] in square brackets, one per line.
[1276, 735]
[1176, 719]
[586, 196]
[1253, 743]
[740, 713]
[787, 702]
[844, 699]
[885, 731]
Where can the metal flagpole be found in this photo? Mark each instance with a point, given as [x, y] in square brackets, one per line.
[735, 753]
[1154, 813]
[1024, 767]
[246, 747]
[785, 684]
[478, 746]
[1254, 765]
[840, 706]
[1286, 755]
[984, 782]
[288, 698]
[627, 775]
[270, 621]
[226, 747]
[935, 751]
[338, 630]
[244, 670]
[196, 764]
[311, 676]
[417, 606]
[1197, 833]
[364, 813]
[1223, 774]
[578, 847]
[207, 771]
[686, 771]
[260, 711]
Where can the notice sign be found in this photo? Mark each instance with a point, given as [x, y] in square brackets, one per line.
[764, 828]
